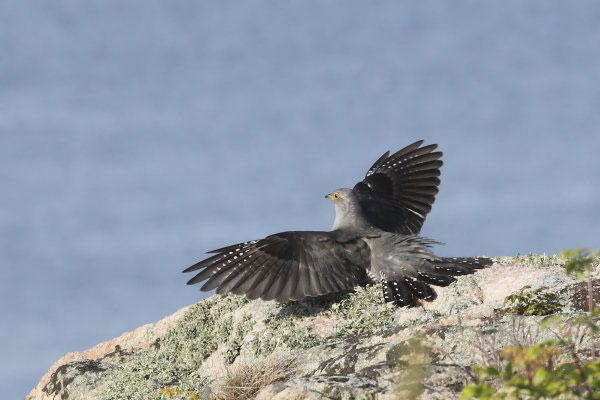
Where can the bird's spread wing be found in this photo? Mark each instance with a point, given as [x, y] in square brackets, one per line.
[285, 266]
[398, 190]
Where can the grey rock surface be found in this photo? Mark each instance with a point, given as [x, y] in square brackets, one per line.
[344, 346]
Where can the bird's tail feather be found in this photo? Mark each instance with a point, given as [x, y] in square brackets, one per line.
[459, 265]
[441, 271]
[406, 292]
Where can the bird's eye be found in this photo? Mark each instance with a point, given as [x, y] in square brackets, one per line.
[336, 196]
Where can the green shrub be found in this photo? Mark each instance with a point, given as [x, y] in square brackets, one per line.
[532, 302]
[554, 368]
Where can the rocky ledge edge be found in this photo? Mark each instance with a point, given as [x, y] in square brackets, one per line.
[343, 346]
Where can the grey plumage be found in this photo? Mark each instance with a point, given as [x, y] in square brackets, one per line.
[373, 239]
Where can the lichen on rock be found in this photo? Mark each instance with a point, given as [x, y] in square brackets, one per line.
[172, 361]
[345, 345]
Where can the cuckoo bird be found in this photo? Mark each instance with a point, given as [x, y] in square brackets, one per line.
[374, 239]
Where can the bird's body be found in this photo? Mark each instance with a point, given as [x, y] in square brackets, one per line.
[373, 239]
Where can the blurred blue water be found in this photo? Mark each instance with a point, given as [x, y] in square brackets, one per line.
[136, 135]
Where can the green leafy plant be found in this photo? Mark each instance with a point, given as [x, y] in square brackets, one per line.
[533, 372]
[554, 368]
[532, 302]
[580, 262]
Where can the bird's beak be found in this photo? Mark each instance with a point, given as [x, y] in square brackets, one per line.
[328, 196]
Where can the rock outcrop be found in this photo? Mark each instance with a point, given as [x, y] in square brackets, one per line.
[346, 346]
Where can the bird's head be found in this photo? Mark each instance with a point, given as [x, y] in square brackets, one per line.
[344, 200]
[347, 208]
[341, 196]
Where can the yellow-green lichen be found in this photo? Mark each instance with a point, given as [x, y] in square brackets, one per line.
[236, 340]
[532, 259]
[284, 333]
[352, 313]
[362, 311]
[173, 361]
[409, 359]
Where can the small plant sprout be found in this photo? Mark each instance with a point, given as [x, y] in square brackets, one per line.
[580, 262]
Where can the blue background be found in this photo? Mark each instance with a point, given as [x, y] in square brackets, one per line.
[134, 136]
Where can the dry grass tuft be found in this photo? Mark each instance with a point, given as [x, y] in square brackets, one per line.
[489, 346]
[246, 378]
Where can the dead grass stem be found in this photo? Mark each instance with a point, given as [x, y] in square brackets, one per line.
[246, 378]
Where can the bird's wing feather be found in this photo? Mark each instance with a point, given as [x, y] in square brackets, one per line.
[285, 266]
[398, 190]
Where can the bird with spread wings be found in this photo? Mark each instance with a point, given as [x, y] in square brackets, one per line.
[374, 239]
